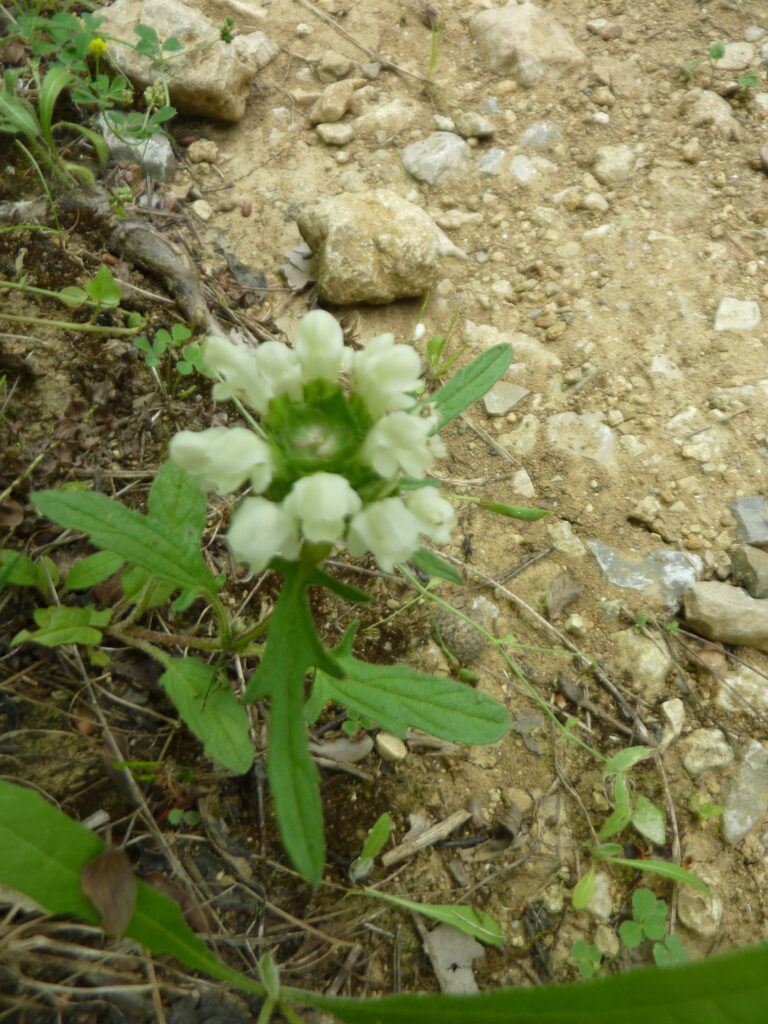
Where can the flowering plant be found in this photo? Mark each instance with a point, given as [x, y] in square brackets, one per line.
[334, 454]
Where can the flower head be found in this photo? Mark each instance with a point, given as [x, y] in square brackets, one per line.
[322, 502]
[387, 529]
[400, 443]
[97, 47]
[386, 375]
[239, 372]
[223, 458]
[260, 530]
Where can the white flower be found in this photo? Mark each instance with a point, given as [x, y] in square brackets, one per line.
[319, 344]
[400, 443]
[322, 502]
[386, 375]
[279, 367]
[435, 515]
[387, 529]
[260, 530]
[223, 458]
[237, 367]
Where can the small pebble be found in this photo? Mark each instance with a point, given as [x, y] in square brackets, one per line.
[390, 747]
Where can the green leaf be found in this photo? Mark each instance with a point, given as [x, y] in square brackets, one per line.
[584, 890]
[345, 590]
[176, 501]
[471, 383]
[530, 515]
[57, 79]
[432, 565]
[22, 571]
[655, 867]
[139, 587]
[398, 698]
[468, 920]
[211, 711]
[615, 822]
[377, 837]
[42, 853]
[631, 933]
[103, 288]
[730, 989]
[293, 648]
[135, 537]
[648, 819]
[64, 625]
[92, 570]
[72, 296]
[625, 759]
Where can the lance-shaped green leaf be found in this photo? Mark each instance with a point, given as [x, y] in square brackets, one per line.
[730, 989]
[433, 565]
[92, 569]
[211, 711]
[42, 854]
[398, 698]
[61, 624]
[468, 920]
[499, 508]
[176, 501]
[612, 851]
[293, 648]
[471, 383]
[138, 539]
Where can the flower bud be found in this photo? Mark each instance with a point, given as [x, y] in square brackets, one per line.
[319, 344]
[223, 458]
[261, 529]
[322, 502]
[435, 515]
[399, 443]
[385, 528]
[385, 375]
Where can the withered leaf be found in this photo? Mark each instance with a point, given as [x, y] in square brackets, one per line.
[11, 514]
[110, 885]
[297, 269]
[563, 590]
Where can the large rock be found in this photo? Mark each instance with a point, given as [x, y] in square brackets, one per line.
[729, 614]
[643, 662]
[524, 42]
[704, 107]
[436, 157]
[210, 78]
[370, 247]
[746, 798]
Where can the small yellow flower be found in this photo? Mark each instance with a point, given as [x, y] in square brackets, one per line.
[97, 47]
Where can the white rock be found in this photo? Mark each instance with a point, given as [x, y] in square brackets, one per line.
[737, 57]
[522, 484]
[698, 911]
[202, 209]
[386, 120]
[334, 102]
[582, 435]
[524, 42]
[522, 441]
[746, 798]
[390, 747]
[211, 78]
[601, 904]
[743, 691]
[737, 315]
[721, 612]
[674, 713]
[437, 157]
[703, 107]
[640, 660]
[472, 125]
[335, 134]
[613, 165]
[370, 247]
[562, 538]
[704, 749]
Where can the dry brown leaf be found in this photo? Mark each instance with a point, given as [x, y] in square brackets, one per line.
[563, 590]
[109, 883]
[11, 514]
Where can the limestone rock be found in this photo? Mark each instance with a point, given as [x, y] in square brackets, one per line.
[698, 911]
[704, 107]
[504, 396]
[746, 799]
[614, 164]
[333, 103]
[370, 247]
[335, 134]
[332, 66]
[729, 614]
[471, 125]
[743, 691]
[737, 315]
[211, 78]
[154, 155]
[751, 516]
[386, 120]
[704, 749]
[524, 42]
[436, 157]
[644, 663]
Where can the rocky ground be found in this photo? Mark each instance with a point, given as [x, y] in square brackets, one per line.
[599, 201]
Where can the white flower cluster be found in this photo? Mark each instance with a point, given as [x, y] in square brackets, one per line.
[350, 494]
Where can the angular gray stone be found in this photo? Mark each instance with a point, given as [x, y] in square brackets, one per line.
[746, 800]
[154, 155]
[370, 247]
[721, 612]
[332, 66]
[737, 315]
[704, 749]
[524, 42]
[703, 107]
[386, 120]
[211, 78]
[502, 397]
[752, 519]
[743, 691]
[471, 125]
[750, 568]
[583, 435]
[436, 157]
[540, 134]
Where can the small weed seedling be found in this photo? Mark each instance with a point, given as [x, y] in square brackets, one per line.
[649, 921]
[180, 359]
[588, 957]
